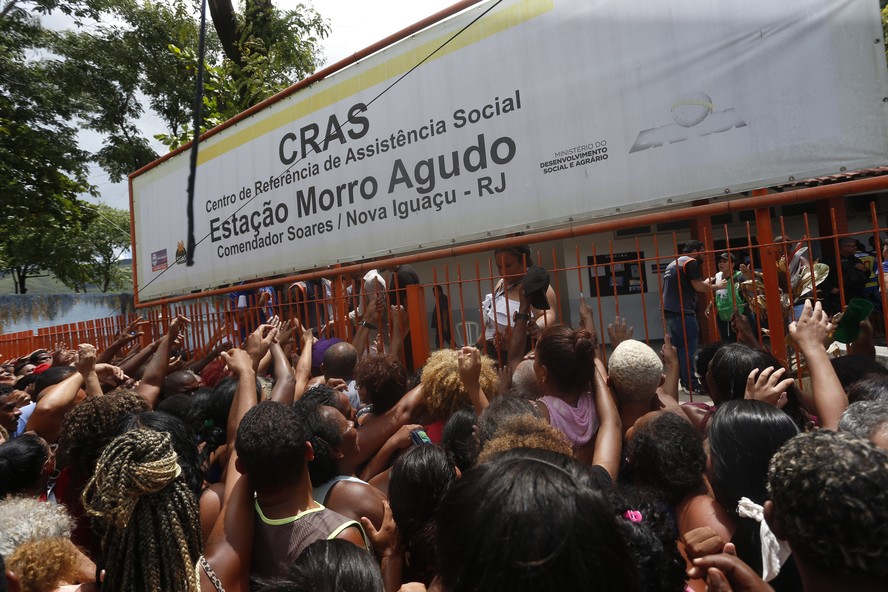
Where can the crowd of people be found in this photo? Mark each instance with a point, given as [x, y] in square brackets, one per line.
[528, 462]
[736, 301]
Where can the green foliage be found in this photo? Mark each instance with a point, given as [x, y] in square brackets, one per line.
[94, 249]
[42, 170]
[122, 58]
[885, 28]
[273, 51]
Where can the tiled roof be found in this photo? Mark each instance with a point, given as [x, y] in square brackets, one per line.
[837, 178]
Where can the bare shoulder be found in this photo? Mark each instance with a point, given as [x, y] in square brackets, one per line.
[210, 507]
[353, 534]
[355, 500]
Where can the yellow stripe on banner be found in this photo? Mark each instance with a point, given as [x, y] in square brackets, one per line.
[501, 21]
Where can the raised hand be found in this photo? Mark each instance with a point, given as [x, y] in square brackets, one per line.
[469, 359]
[285, 333]
[177, 326]
[111, 374]
[669, 352]
[306, 335]
[132, 331]
[62, 356]
[619, 331]
[701, 542]
[238, 361]
[812, 327]
[259, 341]
[586, 319]
[86, 358]
[768, 386]
[504, 379]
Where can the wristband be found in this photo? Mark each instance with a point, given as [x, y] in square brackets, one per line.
[370, 326]
[521, 315]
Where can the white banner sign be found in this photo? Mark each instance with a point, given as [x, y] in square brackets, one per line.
[539, 114]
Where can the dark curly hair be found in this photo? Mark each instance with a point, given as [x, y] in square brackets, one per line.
[569, 356]
[659, 564]
[270, 444]
[830, 496]
[498, 411]
[666, 456]
[385, 380]
[324, 437]
[91, 425]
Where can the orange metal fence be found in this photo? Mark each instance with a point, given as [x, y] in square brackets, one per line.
[617, 265]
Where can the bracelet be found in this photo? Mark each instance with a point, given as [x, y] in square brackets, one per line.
[521, 315]
[370, 326]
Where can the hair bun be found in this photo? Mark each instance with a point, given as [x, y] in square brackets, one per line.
[584, 343]
[134, 464]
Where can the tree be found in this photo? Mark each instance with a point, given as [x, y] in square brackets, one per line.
[94, 252]
[146, 59]
[259, 54]
[42, 170]
[121, 59]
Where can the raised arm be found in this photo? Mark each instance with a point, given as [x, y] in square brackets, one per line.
[469, 359]
[609, 440]
[133, 364]
[156, 371]
[369, 322]
[546, 318]
[373, 434]
[518, 339]
[400, 329]
[303, 365]
[86, 366]
[229, 547]
[54, 403]
[198, 365]
[130, 333]
[382, 460]
[670, 360]
[259, 341]
[284, 389]
[809, 332]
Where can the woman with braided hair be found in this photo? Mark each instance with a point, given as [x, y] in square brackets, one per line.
[145, 514]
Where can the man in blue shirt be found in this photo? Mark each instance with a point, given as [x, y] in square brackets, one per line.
[682, 281]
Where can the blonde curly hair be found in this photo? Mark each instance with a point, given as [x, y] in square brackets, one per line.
[525, 431]
[44, 564]
[442, 389]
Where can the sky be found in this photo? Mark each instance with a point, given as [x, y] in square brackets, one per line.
[355, 24]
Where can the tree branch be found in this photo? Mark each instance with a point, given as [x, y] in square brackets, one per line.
[227, 28]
